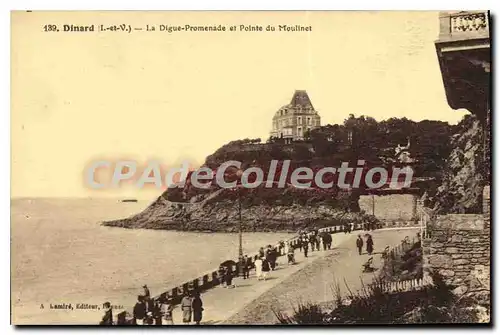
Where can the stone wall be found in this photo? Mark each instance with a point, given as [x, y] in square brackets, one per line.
[390, 207]
[458, 247]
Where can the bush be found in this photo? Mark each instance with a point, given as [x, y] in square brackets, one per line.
[304, 314]
[435, 304]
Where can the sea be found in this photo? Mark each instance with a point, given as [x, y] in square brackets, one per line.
[62, 256]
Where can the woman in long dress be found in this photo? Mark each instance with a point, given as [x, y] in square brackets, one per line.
[229, 278]
[186, 308]
[369, 245]
[286, 248]
[197, 309]
[265, 268]
[258, 268]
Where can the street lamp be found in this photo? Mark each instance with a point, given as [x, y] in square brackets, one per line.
[240, 232]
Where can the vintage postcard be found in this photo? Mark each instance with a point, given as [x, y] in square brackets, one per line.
[250, 167]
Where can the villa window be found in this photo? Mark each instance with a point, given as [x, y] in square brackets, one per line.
[299, 119]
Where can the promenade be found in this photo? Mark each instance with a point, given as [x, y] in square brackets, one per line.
[312, 279]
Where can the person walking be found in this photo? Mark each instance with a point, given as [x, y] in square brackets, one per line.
[369, 245]
[166, 311]
[327, 240]
[229, 277]
[222, 275]
[359, 244]
[247, 265]
[318, 242]
[281, 249]
[262, 253]
[150, 304]
[157, 316]
[291, 256]
[197, 308]
[306, 248]
[139, 312]
[147, 294]
[312, 241]
[265, 268]
[286, 248]
[186, 307]
[324, 240]
[258, 268]
[107, 319]
[271, 258]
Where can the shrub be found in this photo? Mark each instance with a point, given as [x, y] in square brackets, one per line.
[435, 304]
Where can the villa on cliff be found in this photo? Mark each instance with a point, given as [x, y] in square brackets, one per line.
[292, 121]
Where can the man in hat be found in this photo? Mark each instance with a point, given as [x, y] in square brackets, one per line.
[247, 264]
[359, 244]
[147, 294]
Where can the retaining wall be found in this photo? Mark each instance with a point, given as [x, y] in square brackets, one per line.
[458, 248]
[390, 207]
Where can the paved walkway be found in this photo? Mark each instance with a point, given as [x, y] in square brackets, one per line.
[252, 301]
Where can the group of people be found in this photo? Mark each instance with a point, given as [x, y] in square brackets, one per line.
[369, 244]
[225, 274]
[263, 263]
[369, 226]
[348, 227]
[315, 240]
[266, 261]
[148, 311]
[192, 307]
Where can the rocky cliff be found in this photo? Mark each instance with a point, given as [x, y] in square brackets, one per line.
[219, 211]
[185, 207]
[463, 178]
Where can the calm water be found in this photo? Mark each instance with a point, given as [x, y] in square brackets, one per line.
[60, 254]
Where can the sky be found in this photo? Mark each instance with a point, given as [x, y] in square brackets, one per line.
[79, 97]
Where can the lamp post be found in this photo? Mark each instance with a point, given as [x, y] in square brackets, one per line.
[240, 232]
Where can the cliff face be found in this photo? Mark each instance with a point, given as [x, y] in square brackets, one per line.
[463, 179]
[185, 207]
[220, 212]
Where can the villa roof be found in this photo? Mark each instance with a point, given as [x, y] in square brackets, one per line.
[300, 98]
